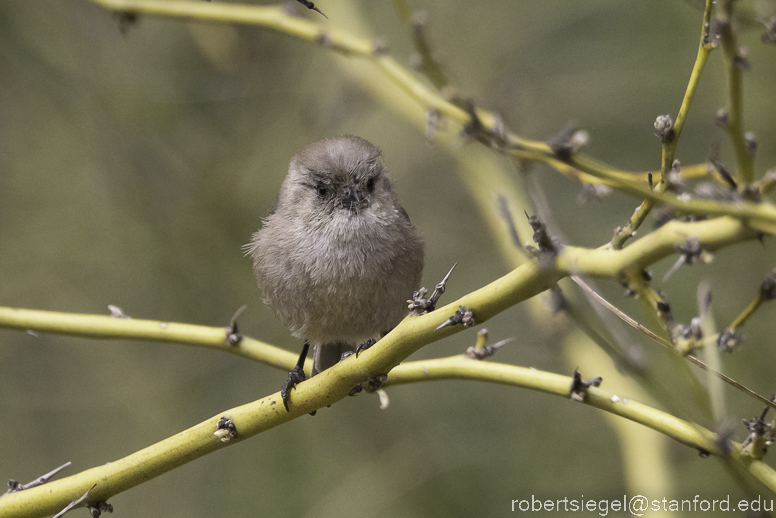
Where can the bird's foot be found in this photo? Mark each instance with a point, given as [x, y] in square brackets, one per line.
[295, 377]
[364, 346]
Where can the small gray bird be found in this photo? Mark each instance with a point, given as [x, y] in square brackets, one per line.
[337, 258]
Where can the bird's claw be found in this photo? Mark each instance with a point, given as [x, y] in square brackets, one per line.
[295, 377]
[365, 345]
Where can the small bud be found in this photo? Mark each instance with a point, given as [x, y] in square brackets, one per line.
[706, 190]
[674, 176]
[578, 139]
[225, 429]
[722, 117]
[728, 341]
[693, 251]
[594, 190]
[741, 61]
[750, 140]
[126, 20]
[770, 34]
[756, 444]
[463, 316]
[434, 121]
[419, 21]
[568, 141]
[664, 128]
[711, 39]
[323, 40]
[379, 46]
[768, 287]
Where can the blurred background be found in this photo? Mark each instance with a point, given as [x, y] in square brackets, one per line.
[134, 165]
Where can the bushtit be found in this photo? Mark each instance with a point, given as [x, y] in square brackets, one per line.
[337, 258]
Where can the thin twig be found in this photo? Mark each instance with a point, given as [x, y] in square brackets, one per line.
[760, 216]
[669, 148]
[668, 345]
[734, 67]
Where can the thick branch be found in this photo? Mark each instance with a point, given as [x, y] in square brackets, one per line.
[335, 383]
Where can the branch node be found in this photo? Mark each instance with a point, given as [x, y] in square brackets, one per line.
[117, 312]
[663, 309]
[372, 385]
[741, 61]
[578, 389]
[494, 137]
[568, 141]
[729, 340]
[323, 40]
[769, 36]
[548, 247]
[225, 429]
[724, 436]
[768, 287]
[481, 350]
[98, 508]
[598, 191]
[380, 46]
[419, 305]
[761, 434]
[691, 251]
[233, 335]
[750, 141]
[419, 21]
[462, 315]
[722, 118]
[434, 121]
[126, 20]
[711, 38]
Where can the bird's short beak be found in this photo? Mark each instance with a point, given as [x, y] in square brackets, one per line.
[352, 199]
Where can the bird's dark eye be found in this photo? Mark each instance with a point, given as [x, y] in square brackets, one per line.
[370, 185]
[322, 191]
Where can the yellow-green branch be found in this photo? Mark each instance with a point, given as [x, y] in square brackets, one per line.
[412, 334]
[334, 384]
[107, 327]
[760, 216]
[734, 65]
[669, 147]
[261, 415]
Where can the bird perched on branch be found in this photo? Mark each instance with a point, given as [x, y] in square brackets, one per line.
[337, 258]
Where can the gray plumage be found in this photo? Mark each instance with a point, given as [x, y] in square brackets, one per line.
[337, 258]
